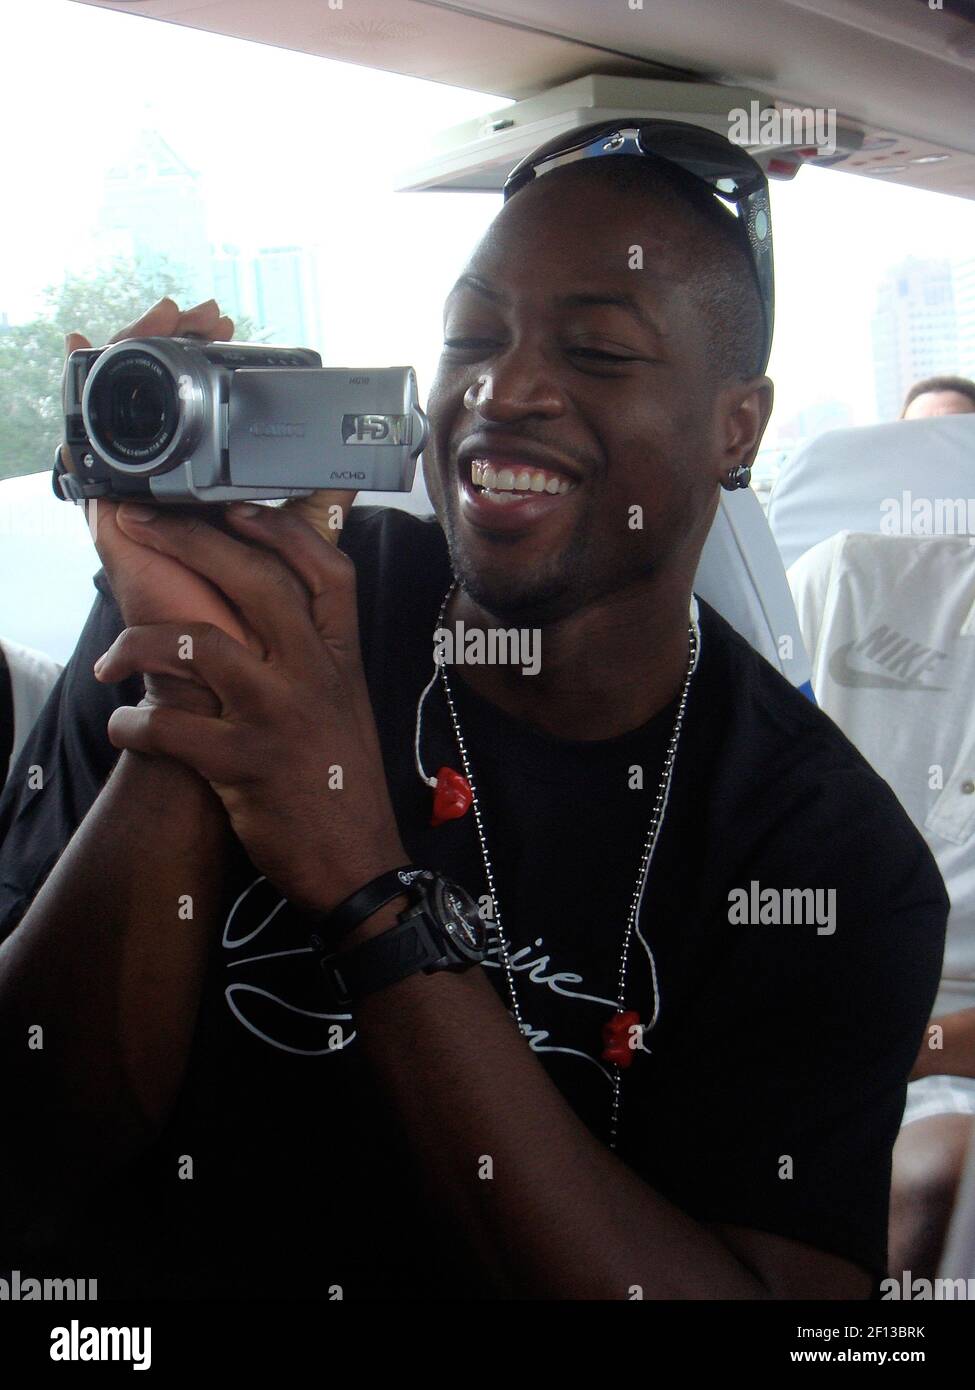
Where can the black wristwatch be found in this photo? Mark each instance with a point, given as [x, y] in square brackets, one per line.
[440, 930]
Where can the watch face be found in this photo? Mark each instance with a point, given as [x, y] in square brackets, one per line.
[458, 915]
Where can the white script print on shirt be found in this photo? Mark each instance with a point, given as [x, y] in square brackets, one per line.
[250, 917]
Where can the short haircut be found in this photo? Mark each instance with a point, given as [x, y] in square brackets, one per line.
[720, 274]
[961, 384]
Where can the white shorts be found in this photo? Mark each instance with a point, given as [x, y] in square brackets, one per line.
[939, 1095]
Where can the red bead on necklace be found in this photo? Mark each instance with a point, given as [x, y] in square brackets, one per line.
[452, 796]
[618, 1043]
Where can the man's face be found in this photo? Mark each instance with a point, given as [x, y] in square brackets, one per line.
[568, 369]
[939, 403]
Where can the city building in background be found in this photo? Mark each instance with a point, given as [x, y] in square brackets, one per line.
[155, 208]
[915, 331]
[964, 282]
[276, 287]
[229, 279]
[286, 294]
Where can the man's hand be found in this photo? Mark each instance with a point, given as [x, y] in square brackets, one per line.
[150, 586]
[293, 751]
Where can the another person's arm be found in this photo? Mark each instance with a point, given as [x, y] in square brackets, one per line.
[950, 1051]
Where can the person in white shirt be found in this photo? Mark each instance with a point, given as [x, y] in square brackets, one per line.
[26, 679]
[889, 624]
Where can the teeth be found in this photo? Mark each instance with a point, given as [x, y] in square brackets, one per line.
[525, 480]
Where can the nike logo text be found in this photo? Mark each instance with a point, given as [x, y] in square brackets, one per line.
[904, 661]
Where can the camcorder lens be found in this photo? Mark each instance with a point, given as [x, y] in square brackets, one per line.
[138, 409]
[134, 409]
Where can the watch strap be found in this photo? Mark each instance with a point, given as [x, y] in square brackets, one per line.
[403, 950]
[331, 927]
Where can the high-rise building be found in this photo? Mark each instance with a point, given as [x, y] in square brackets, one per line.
[275, 287]
[964, 281]
[914, 330]
[286, 295]
[230, 281]
[154, 209]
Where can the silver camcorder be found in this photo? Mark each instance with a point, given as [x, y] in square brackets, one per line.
[181, 420]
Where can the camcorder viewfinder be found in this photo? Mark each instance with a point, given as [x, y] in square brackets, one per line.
[184, 421]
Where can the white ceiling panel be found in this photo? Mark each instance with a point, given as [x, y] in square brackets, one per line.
[903, 73]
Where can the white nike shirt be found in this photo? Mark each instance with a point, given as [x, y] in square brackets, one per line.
[889, 624]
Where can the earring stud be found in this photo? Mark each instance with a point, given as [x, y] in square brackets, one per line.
[736, 478]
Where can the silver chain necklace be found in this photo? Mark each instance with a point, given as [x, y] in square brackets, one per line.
[636, 902]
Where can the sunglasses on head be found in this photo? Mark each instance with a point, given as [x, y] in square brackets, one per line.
[723, 169]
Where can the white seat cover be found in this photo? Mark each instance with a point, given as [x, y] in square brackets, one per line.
[841, 480]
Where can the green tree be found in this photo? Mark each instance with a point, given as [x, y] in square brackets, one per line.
[32, 354]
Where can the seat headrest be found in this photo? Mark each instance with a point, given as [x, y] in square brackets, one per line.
[855, 480]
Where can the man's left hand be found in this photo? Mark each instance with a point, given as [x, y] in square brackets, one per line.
[293, 752]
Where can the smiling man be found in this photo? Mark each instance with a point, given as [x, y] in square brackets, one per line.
[281, 1057]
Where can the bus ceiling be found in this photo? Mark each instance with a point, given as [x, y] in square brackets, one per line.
[896, 74]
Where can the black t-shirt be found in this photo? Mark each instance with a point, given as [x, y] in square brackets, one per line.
[771, 1087]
